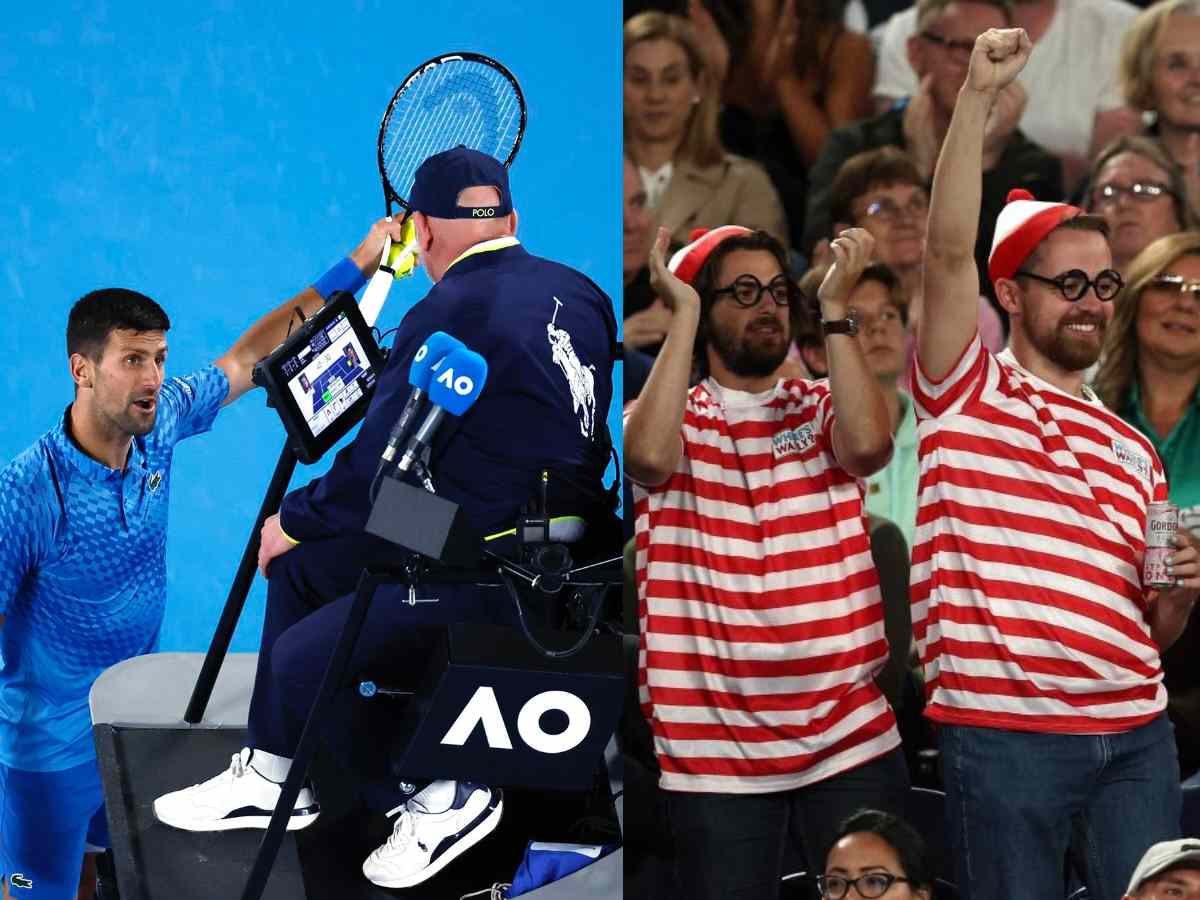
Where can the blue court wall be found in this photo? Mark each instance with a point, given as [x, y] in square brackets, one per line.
[218, 156]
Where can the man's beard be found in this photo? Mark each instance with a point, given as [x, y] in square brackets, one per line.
[1070, 351]
[754, 354]
[127, 422]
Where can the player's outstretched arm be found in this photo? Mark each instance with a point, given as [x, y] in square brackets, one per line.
[862, 434]
[268, 332]
[653, 443]
[950, 314]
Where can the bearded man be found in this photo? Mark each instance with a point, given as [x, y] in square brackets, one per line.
[761, 617]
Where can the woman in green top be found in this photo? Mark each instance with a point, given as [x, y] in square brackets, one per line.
[1151, 377]
[1151, 369]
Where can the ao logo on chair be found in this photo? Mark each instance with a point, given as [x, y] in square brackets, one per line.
[484, 709]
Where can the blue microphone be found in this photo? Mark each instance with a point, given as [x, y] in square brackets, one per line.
[456, 385]
[428, 357]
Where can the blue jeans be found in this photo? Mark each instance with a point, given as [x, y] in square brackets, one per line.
[731, 846]
[1018, 802]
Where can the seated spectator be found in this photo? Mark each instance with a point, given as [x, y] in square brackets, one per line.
[1170, 869]
[881, 310]
[1160, 74]
[1140, 192]
[939, 57]
[1075, 105]
[881, 191]
[646, 319]
[878, 855]
[671, 102]
[1151, 377]
[798, 74]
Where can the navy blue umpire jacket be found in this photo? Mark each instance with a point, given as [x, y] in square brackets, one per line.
[548, 334]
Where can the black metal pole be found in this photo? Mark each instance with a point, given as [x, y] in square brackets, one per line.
[238, 590]
[335, 674]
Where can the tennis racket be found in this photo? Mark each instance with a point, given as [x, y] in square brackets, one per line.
[456, 98]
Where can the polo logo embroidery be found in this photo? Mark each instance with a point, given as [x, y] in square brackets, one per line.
[153, 482]
[581, 379]
[1131, 459]
[797, 440]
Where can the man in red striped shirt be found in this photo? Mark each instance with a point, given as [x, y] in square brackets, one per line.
[761, 618]
[1041, 645]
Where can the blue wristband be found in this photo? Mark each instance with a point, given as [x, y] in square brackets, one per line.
[345, 276]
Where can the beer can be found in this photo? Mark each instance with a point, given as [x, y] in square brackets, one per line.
[1162, 521]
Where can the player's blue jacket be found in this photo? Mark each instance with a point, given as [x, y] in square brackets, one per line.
[548, 334]
[83, 576]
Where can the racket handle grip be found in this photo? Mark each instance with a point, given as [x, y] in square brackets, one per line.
[401, 257]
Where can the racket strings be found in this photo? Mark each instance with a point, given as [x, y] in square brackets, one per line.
[458, 102]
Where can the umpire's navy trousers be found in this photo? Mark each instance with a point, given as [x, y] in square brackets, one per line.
[309, 596]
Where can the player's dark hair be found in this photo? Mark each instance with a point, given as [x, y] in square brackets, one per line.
[902, 837]
[97, 314]
[706, 285]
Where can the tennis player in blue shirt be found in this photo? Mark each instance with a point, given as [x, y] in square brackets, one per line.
[83, 529]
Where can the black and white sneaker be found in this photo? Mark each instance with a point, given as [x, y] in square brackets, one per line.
[424, 842]
[237, 798]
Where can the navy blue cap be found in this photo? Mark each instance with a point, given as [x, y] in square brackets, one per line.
[443, 176]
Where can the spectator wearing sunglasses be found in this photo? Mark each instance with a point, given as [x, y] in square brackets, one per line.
[877, 855]
[762, 623]
[1151, 377]
[917, 126]
[1041, 644]
[1140, 192]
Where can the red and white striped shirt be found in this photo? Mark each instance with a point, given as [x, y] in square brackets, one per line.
[761, 617]
[1028, 605]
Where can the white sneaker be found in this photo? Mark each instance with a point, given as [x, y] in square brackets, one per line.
[425, 842]
[239, 797]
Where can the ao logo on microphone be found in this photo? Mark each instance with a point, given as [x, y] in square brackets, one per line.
[462, 385]
[483, 709]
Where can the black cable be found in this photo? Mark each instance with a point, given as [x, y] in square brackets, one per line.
[597, 603]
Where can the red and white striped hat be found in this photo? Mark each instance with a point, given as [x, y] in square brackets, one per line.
[689, 259]
[1020, 227]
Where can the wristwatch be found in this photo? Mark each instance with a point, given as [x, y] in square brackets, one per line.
[848, 325]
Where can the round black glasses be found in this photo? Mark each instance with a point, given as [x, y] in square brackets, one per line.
[747, 290]
[1075, 283]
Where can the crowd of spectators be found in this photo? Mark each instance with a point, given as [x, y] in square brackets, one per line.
[807, 121]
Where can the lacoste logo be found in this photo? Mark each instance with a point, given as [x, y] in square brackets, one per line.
[1131, 459]
[797, 440]
[18, 880]
[154, 481]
